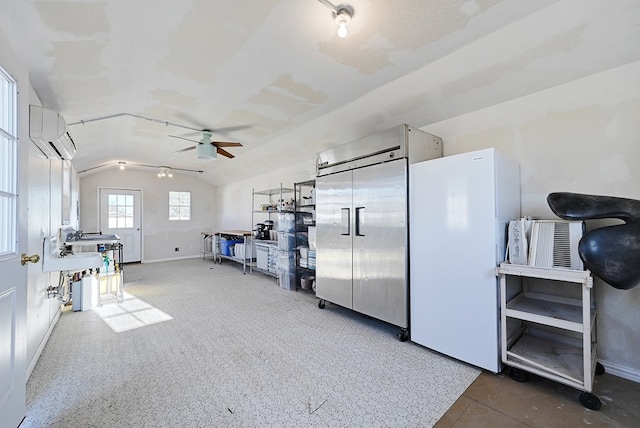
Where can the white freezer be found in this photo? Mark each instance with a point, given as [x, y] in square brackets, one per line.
[460, 207]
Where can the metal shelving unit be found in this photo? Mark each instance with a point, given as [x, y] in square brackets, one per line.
[305, 208]
[265, 205]
[550, 332]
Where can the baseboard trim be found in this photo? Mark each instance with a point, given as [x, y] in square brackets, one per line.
[43, 343]
[621, 371]
[172, 259]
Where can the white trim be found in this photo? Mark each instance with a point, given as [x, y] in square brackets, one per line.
[621, 371]
[43, 343]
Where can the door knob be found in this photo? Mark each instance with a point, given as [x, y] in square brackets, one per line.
[25, 259]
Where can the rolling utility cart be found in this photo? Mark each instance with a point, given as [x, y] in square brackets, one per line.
[549, 326]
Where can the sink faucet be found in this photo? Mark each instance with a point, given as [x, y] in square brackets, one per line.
[67, 250]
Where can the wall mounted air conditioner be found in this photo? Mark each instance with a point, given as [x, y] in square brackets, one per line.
[48, 130]
[554, 244]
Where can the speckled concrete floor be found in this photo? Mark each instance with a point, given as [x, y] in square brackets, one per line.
[234, 350]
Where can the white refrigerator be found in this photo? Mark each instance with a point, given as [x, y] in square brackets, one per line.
[459, 210]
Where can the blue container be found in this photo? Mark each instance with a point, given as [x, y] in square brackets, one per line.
[227, 244]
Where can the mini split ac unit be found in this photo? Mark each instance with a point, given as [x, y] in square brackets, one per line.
[546, 243]
[48, 130]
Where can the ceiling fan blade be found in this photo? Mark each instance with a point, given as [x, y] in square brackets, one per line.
[182, 138]
[226, 144]
[186, 149]
[223, 152]
[227, 129]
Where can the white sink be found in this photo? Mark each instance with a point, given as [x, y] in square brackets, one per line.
[52, 261]
[73, 262]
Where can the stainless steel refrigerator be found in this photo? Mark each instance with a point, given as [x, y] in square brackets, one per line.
[362, 222]
[460, 208]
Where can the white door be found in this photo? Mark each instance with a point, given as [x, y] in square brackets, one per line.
[13, 285]
[121, 213]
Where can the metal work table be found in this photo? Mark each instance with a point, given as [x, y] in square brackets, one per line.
[210, 238]
[244, 234]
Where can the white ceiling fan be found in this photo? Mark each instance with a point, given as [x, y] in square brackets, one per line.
[208, 149]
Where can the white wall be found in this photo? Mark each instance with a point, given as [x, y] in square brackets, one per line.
[234, 200]
[159, 235]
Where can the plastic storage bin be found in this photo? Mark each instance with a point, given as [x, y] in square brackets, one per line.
[227, 244]
[287, 280]
[286, 241]
[286, 222]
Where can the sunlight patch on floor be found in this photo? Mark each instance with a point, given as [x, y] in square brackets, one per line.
[130, 314]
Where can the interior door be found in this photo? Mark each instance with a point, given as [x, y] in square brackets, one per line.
[380, 242]
[13, 286]
[334, 235]
[121, 213]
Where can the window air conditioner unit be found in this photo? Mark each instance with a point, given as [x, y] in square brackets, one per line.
[48, 130]
[554, 244]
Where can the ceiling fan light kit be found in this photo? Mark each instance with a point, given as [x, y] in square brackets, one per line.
[206, 151]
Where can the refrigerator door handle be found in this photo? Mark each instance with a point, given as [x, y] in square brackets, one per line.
[346, 221]
[358, 221]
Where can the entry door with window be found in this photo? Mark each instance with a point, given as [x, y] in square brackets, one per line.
[121, 213]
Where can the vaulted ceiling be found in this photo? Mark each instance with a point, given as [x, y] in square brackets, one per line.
[273, 74]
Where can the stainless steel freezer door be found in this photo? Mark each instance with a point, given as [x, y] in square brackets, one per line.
[334, 233]
[379, 242]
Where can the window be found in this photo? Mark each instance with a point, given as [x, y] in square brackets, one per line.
[8, 164]
[179, 205]
[120, 211]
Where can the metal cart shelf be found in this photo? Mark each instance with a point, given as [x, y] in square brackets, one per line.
[550, 334]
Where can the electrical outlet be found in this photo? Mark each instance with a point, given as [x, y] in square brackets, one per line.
[177, 249]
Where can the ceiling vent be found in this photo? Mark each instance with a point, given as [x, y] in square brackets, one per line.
[48, 130]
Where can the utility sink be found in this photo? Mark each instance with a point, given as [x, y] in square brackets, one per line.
[73, 262]
[52, 261]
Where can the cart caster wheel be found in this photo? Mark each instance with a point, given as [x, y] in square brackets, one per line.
[519, 375]
[321, 304]
[402, 335]
[599, 369]
[589, 400]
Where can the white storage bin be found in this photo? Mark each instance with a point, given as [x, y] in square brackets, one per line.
[286, 222]
[249, 251]
[312, 237]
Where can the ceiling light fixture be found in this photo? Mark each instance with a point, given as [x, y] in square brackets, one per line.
[122, 164]
[139, 165]
[342, 19]
[165, 172]
[341, 15]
